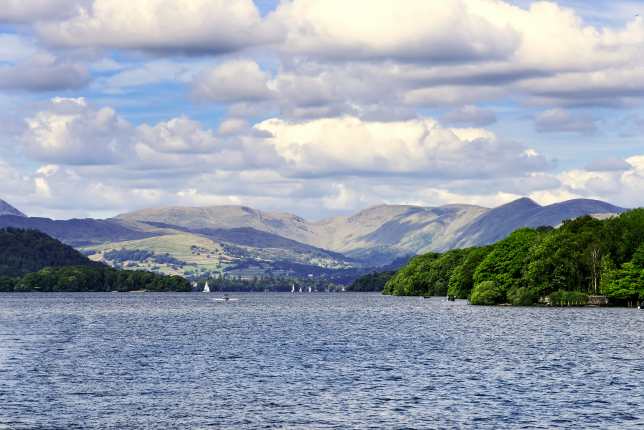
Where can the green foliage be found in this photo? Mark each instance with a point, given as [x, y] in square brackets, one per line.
[504, 266]
[25, 251]
[568, 298]
[487, 293]
[582, 257]
[461, 281]
[32, 261]
[371, 282]
[625, 285]
[411, 280]
[426, 275]
[7, 284]
[269, 283]
[78, 278]
[523, 296]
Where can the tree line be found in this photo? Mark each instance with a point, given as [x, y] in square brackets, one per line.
[33, 261]
[581, 258]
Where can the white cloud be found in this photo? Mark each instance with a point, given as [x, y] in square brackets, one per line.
[350, 146]
[414, 31]
[178, 135]
[233, 81]
[560, 120]
[179, 26]
[70, 132]
[27, 11]
[43, 73]
[470, 115]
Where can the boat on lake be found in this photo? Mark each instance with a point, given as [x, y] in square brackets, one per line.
[206, 288]
[226, 298]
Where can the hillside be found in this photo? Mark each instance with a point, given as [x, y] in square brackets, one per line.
[7, 209]
[33, 261]
[498, 223]
[26, 251]
[242, 241]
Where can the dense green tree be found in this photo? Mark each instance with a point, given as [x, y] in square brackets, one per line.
[487, 293]
[79, 279]
[371, 282]
[505, 265]
[25, 251]
[412, 280]
[582, 257]
[461, 281]
[426, 275]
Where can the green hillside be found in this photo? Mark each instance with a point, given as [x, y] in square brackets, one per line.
[26, 251]
[583, 257]
[32, 261]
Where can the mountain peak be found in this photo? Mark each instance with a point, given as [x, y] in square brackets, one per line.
[523, 202]
[7, 209]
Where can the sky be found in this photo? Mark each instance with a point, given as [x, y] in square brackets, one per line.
[318, 107]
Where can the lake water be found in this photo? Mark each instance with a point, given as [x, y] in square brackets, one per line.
[314, 361]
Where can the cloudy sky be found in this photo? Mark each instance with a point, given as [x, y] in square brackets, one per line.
[318, 107]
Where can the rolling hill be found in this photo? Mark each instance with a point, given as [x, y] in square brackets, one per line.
[242, 241]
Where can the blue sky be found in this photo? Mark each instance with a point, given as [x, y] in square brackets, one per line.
[318, 107]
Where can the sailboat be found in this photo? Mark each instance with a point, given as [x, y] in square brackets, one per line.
[292, 288]
[300, 289]
[310, 290]
[206, 288]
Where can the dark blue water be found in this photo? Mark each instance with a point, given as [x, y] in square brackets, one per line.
[314, 361]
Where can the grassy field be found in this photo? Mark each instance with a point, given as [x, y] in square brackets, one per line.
[199, 253]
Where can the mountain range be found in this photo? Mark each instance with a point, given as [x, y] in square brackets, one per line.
[242, 241]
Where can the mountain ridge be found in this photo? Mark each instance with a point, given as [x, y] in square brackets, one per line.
[7, 209]
[244, 241]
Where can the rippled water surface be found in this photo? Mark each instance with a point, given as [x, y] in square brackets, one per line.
[314, 361]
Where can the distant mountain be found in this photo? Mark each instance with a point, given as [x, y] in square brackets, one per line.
[376, 235]
[7, 209]
[498, 223]
[76, 232]
[242, 241]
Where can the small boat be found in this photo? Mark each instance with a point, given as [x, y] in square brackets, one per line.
[206, 288]
[310, 290]
[225, 299]
[300, 289]
[292, 288]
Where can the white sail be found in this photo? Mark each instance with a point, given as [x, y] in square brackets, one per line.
[300, 289]
[206, 288]
[310, 290]
[292, 288]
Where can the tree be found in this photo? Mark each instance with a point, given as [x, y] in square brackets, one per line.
[487, 293]
[504, 266]
[461, 281]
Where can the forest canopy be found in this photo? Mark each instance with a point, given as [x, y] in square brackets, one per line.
[581, 258]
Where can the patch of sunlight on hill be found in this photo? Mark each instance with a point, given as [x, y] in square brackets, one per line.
[197, 252]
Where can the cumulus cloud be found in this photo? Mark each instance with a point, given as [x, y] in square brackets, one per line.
[70, 132]
[27, 11]
[609, 165]
[43, 73]
[560, 120]
[161, 26]
[623, 186]
[25, 66]
[233, 81]
[433, 31]
[350, 146]
[74, 132]
[470, 115]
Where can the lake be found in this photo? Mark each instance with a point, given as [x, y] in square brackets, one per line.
[314, 361]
